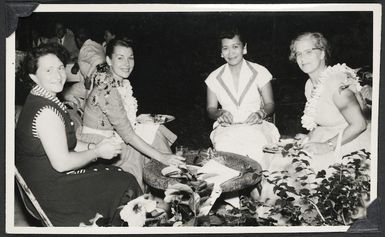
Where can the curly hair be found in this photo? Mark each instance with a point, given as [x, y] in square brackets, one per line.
[32, 58]
[319, 42]
[30, 63]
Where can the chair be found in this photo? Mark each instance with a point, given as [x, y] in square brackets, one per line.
[31, 204]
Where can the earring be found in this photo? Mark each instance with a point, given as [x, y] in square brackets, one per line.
[221, 55]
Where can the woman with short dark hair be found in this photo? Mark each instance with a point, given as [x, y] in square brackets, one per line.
[239, 98]
[111, 111]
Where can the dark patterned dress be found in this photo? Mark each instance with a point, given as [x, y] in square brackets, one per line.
[72, 197]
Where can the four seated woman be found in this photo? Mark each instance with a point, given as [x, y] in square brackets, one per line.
[332, 115]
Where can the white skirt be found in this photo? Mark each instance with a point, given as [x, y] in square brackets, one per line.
[245, 139]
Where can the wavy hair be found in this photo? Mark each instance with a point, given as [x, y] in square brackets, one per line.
[30, 63]
[319, 42]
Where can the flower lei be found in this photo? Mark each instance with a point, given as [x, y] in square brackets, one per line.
[129, 101]
[103, 78]
[351, 81]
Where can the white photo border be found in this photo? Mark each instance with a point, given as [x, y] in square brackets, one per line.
[95, 8]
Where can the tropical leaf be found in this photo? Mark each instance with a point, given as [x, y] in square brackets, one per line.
[304, 191]
[298, 169]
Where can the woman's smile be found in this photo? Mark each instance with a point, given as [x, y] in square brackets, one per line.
[122, 61]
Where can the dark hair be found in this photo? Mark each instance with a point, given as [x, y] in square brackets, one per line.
[319, 42]
[231, 33]
[125, 42]
[32, 58]
[30, 62]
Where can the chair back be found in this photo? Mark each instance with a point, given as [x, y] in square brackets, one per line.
[30, 202]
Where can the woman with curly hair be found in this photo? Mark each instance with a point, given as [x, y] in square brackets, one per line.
[332, 113]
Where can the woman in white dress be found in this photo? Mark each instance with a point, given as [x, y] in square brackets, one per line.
[244, 91]
[333, 113]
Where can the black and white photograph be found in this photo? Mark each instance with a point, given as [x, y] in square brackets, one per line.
[193, 118]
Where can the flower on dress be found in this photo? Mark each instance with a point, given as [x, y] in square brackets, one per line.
[134, 212]
[351, 81]
[104, 79]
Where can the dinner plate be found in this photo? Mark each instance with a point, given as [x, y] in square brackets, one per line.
[154, 118]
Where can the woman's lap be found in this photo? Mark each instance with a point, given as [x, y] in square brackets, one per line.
[135, 161]
[245, 140]
[79, 196]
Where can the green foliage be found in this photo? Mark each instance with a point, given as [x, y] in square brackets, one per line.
[336, 196]
[320, 199]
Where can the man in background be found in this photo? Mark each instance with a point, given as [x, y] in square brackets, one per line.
[66, 38]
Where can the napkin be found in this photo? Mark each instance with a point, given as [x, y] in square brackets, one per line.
[147, 131]
[215, 172]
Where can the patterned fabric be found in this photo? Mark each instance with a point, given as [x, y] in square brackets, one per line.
[75, 196]
[104, 109]
[111, 111]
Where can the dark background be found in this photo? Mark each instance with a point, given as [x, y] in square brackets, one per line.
[175, 52]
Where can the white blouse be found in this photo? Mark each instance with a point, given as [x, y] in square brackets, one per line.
[247, 99]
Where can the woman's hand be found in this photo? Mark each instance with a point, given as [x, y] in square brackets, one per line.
[301, 139]
[108, 148]
[317, 148]
[226, 118]
[171, 159]
[254, 118]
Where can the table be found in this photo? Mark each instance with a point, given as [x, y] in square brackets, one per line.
[154, 178]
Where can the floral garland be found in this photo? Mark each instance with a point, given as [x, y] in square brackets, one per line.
[351, 81]
[104, 79]
[129, 101]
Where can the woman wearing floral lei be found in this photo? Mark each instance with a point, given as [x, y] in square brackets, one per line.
[333, 113]
[111, 111]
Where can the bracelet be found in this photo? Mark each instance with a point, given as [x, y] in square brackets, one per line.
[264, 114]
[88, 146]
